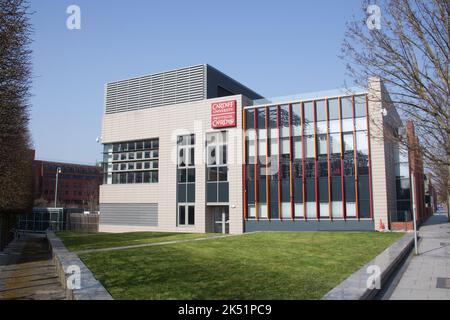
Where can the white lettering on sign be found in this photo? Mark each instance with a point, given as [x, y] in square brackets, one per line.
[224, 107]
[223, 114]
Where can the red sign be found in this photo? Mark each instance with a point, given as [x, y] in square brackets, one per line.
[223, 114]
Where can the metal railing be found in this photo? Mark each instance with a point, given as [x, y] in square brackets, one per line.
[401, 216]
[41, 220]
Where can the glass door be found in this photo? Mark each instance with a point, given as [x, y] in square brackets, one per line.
[221, 219]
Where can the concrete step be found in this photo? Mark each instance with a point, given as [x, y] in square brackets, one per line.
[27, 271]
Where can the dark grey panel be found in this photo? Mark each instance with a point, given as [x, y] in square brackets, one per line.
[211, 192]
[190, 193]
[252, 226]
[216, 78]
[181, 193]
[224, 192]
[129, 214]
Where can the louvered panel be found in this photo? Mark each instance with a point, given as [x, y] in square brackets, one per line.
[172, 87]
[131, 214]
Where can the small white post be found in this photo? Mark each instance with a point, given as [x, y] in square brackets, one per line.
[224, 223]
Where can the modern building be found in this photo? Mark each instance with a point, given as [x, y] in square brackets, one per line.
[78, 185]
[413, 185]
[192, 150]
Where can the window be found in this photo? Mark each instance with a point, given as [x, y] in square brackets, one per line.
[296, 120]
[333, 107]
[186, 169]
[362, 142]
[347, 125]
[347, 108]
[191, 215]
[335, 144]
[284, 121]
[348, 143]
[364, 197]
[186, 215]
[122, 157]
[309, 146]
[251, 211]
[360, 107]
[321, 110]
[309, 112]
[298, 148]
[251, 149]
[217, 167]
[322, 144]
[250, 119]
[186, 154]
[323, 168]
[361, 124]
[335, 126]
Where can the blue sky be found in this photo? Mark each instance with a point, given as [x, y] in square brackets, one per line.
[274, 47]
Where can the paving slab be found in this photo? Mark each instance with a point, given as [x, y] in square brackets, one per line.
[420, 279]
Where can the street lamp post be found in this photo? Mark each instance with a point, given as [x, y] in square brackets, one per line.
[58, 171]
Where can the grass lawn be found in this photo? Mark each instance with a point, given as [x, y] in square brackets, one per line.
[255, 266]
[75, 241]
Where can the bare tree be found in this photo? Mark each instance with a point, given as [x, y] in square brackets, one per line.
[15, 148]
[441, 183]
[40, 203]
[92, 190]
[409, 51]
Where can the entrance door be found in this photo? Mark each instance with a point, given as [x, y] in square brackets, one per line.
[221, 219]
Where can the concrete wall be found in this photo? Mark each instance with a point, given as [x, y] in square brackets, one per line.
[166, 123]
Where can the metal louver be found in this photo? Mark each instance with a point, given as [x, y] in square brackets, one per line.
[161, 89]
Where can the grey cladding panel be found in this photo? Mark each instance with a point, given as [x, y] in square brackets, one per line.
[129, 214]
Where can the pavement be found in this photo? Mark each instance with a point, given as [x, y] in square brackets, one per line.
[427, 276]
[27, 271]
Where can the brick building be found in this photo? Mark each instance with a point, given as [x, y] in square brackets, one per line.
[78, 185]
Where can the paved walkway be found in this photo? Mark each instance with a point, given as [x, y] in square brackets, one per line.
[27, 271]
[157, 244]
[431, 268]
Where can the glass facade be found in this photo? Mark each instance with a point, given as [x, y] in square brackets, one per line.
[403, 187]
[132, 162]
[308, 160]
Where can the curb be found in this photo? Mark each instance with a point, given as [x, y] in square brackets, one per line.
[355, 287]
[91, 289]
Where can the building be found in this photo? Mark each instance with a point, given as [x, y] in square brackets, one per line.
[78, 185]
[430, 195]
[192, 150]
[413, 186]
